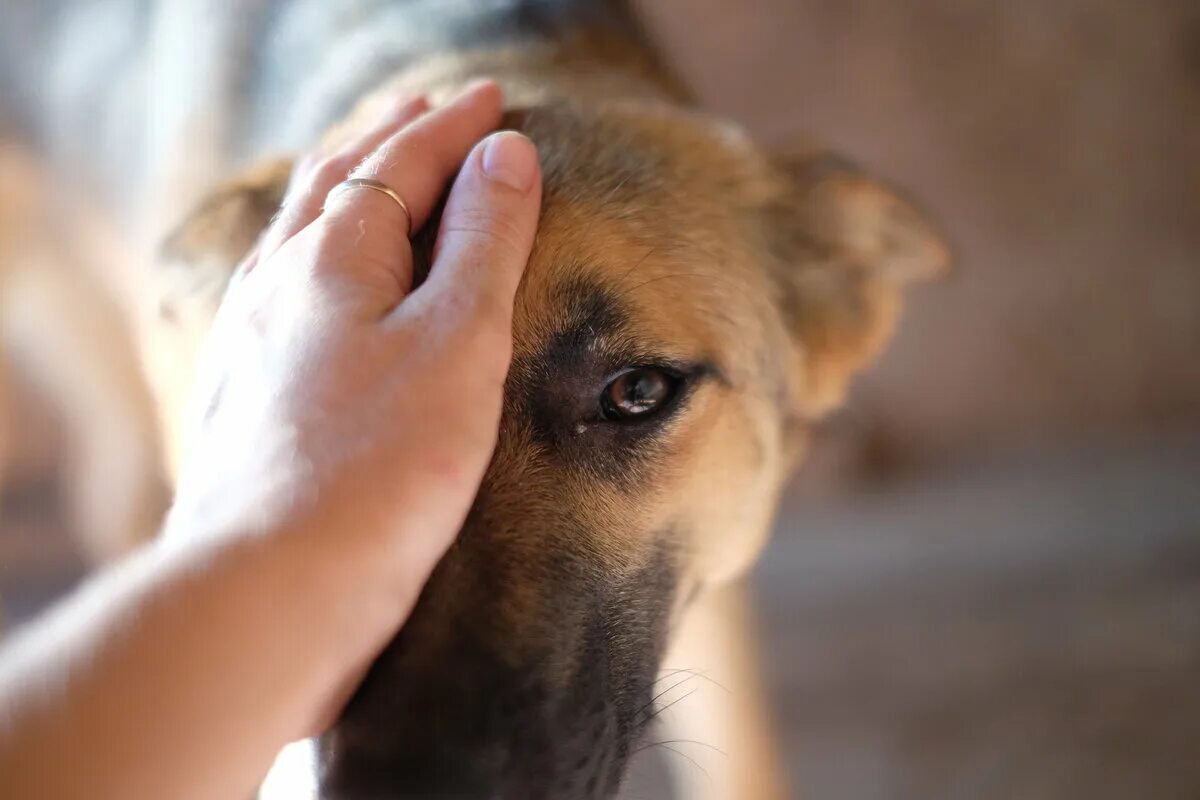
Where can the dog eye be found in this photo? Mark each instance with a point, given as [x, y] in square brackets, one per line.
[637, 393]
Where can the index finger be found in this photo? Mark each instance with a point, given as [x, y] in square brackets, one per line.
[419, 161]
[366, 232]
[314, 181]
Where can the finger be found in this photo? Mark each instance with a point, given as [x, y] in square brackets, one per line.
[314, 177]
[488, 230]
[416, 163]
[243, 268]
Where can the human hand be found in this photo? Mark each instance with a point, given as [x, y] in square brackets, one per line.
[337, 407]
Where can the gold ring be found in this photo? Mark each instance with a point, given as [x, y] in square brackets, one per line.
[378, 186]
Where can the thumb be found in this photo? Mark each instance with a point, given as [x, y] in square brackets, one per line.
[488, 228]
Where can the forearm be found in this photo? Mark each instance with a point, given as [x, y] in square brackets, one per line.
[177, 676]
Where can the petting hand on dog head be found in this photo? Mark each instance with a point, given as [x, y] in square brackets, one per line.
[342, 423]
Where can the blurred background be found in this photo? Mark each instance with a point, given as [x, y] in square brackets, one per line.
[986, 582]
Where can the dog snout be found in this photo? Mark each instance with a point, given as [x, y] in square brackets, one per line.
[468, 703]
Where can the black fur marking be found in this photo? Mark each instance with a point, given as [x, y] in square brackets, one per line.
[558, 390]
[461, 705]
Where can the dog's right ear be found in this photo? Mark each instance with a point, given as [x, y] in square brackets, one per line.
[202, 252]
[845, 246]
[192, 269]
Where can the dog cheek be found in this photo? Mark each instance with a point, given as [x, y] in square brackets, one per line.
[733, 481]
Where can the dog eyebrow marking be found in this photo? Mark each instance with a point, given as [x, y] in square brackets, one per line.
[592, 311]
[557, 389]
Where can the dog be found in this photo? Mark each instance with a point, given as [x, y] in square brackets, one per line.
[693, 307]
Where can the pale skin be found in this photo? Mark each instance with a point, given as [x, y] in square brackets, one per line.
[342, 425]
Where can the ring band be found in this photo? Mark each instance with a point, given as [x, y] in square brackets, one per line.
[378, 186]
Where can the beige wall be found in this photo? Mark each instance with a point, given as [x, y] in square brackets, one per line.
[1059, 145]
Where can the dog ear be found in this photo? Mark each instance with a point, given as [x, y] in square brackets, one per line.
[192, 269]
[845, 247]
[204, 250]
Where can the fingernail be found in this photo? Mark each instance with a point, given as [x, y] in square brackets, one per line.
[511, 159]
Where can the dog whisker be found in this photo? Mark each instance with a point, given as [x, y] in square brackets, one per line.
[681, 741]
[699, 673]
[655, 699]
[696, 763]
[675, 702]
[670, 673]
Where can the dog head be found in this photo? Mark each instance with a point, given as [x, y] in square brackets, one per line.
[691, 306]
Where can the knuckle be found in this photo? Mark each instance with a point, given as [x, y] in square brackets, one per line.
[331, 171]
[492, 229]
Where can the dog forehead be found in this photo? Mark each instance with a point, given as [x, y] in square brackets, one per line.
[643, 235]
[648, 295]
[630, 157]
